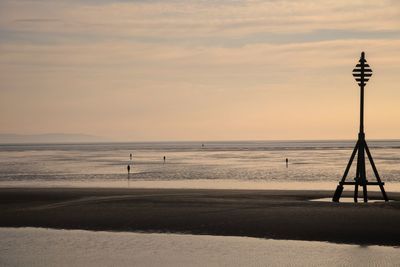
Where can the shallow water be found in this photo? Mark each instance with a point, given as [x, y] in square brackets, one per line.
[350, 200]
[188, 164]
[47, 247]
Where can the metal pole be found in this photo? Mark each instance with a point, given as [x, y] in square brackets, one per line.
[362, 94]
[361, 73]
[361, 151]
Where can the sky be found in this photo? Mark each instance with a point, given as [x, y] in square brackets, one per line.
[198, 70]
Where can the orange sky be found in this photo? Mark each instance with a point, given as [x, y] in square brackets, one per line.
[198, 70]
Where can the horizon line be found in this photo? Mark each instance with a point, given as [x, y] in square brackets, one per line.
[196, 141]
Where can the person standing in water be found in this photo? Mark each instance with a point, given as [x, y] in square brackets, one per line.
[164, 159]
[128, 168]
[287, 162]
[130, 156]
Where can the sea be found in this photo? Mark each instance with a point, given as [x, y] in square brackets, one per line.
[313, 165]
[49, 247]
[230, 164]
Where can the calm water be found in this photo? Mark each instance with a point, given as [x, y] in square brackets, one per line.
[237, 162]
[45, 247]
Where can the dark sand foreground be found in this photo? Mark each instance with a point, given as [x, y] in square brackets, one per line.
[265, 214]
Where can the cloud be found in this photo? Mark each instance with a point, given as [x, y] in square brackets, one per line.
[36, 20]
[203, 22]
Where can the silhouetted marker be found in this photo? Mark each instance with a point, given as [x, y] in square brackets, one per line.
[361, 73]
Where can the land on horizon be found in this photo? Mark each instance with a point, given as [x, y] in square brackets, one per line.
[50, 138]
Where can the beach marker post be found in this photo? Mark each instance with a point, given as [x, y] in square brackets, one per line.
[362, 72]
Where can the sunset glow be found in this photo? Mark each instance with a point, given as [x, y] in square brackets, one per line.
[198, 70]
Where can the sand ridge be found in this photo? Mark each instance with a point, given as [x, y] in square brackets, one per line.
[276, 214]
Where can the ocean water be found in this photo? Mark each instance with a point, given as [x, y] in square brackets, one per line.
[46, 247]
[258, 164]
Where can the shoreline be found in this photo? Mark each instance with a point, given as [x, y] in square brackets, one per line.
[272, 214]
[194, 184]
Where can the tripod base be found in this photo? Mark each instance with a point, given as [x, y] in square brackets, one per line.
[360, 179]
[338, 193]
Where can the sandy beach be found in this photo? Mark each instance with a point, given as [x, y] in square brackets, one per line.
[269, 214]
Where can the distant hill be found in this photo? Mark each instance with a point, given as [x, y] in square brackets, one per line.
[49, 138]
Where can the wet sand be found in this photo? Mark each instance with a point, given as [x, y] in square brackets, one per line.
[254, 213]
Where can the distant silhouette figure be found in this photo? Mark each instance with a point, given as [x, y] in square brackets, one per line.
[287, 162]
[130, 156]
[202, 145]
[164, 159]
[129, 168]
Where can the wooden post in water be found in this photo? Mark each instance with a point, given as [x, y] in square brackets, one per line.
[362, 72]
